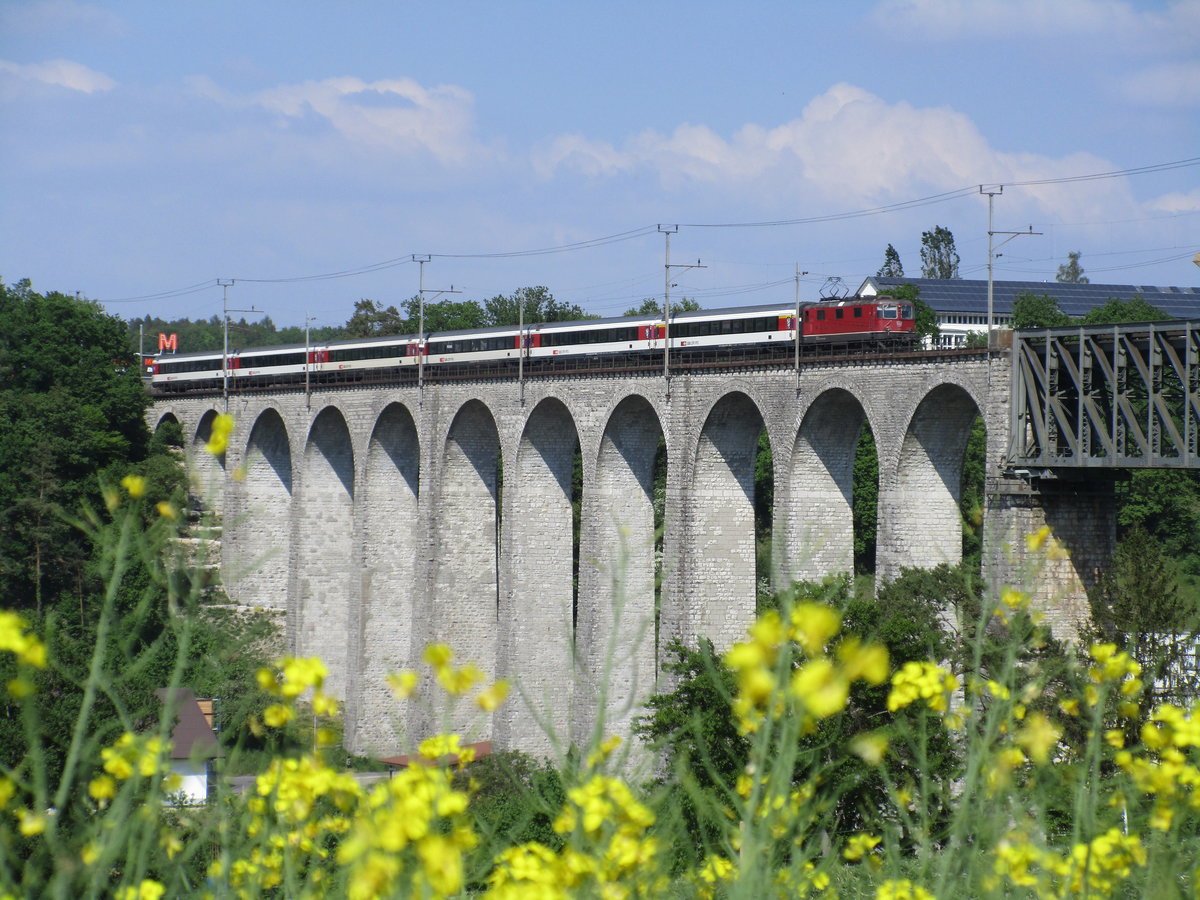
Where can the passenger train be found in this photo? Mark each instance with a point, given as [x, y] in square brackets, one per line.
[751, 332]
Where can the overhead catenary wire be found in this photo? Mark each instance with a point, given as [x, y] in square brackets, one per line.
[633, 233]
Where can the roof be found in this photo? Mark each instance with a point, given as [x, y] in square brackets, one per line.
[192, 737]
[954, 295]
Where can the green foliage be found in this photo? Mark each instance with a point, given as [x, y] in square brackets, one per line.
[892, 267]
[515, 800]
[926, 320]
[1115, 311]
[971, 502]
[373, 319]
[939, 259]
[1037, 311]
[73, 406]
[539, 306]
[1138, 606]
[651, 307]
[1071, 272]
[865, 500]
[1166, 504]
[209, 334]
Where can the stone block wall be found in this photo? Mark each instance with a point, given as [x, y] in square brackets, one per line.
[373, 516]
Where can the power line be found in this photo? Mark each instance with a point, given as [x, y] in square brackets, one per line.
[634, 233]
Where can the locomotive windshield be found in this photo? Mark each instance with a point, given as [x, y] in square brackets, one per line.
[906, 311]
[886, 311]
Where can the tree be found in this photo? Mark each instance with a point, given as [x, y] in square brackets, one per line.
[892, 267]
[651, 307]
[1137, 604]
[1071, 272]
[72, 404]
[1037, 311]
[939, 259]
[926, 326]
[442, 315]
[372, 319]
[1115, 311]
[538, 304]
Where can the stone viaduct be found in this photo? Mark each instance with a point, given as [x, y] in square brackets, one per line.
[381, 518]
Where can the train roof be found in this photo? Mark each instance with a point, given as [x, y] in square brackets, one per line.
[609, 321]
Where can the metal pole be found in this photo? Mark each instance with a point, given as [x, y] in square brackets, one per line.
[796, 325]
[521, 348]
[307, 365]
[421, 332]
[225, 352]
[667, 232]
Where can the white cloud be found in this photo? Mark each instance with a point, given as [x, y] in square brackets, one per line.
[848, 145]
[1167, 85]
[60, 73]
[1177, 202]
[392, 114]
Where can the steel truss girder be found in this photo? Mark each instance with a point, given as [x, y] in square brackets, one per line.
[1116, 396]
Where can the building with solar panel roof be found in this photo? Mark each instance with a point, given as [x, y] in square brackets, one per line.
[961, 303]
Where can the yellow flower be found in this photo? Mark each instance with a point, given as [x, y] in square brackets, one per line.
[324, 705]
[1038, 736]
[866, 661]
[821, 688]
[277, 715]
[30, 823]
[167, 510]
[149, 889]
[134, 484]
[458, 681]
[403, 684]
[870, 748]
[491, 697]
[102, 787]
[902, 889]
[921, 681]
[859, 846]
[813, 626]
[1034, 542]
[14, 638]
[218, 439]
[438, 655]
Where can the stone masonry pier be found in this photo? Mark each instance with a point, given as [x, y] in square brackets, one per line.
[383, 518]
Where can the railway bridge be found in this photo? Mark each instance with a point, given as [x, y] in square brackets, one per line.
[379, 518]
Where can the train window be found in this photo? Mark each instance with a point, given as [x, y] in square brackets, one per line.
[906, 311]
[838, 313]
[858, 312]
[820, 315]
[887, 312]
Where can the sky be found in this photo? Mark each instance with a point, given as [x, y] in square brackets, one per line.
[151, 152]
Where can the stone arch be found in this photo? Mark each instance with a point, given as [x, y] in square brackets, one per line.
[719, 539]
[206, 470]
[616, 630]
[259, 537]
[818, 535]
[920, 520]
[325, 546]
[537, 608]
[383, 634]
[464, 607]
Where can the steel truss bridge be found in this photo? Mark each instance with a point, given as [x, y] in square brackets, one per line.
[1108, 396]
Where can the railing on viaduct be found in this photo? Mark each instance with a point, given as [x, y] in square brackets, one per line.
[1119, 396]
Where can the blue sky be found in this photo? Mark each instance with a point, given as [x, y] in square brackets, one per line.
[150, 148]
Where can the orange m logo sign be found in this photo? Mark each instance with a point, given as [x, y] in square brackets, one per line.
[168, 343]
